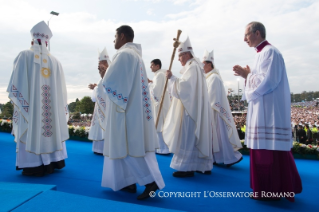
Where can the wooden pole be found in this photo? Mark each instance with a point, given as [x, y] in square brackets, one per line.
[176, 44]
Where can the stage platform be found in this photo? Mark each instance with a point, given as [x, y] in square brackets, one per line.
[77, 187]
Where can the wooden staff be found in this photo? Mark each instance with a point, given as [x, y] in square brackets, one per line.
[176, 44]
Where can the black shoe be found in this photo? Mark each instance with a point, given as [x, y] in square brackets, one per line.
[205, 172]
[97, 153]
[130, 188]
[183, 174]
[229, 165]
[149, 190]
[214, 163]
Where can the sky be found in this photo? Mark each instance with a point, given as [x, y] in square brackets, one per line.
[85, 27]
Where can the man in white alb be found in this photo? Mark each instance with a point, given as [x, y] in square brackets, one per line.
[226, 142]
[187, 129]
[38, 91]
[268, 132]
[130, 134]
[156, 87]
[99, 115]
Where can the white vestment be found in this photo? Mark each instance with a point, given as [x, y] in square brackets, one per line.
[98, 122]
[187, 128]
[156, 89]
[38, 91]
[268, 94]
[225, 137]
[130, 136]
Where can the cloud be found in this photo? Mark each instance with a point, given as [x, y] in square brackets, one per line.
[217, 25]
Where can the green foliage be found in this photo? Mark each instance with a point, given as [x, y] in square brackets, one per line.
[85, 105]
[76, 115]
[7, 110]
[78, 131]
[308, 96]
[72, 106]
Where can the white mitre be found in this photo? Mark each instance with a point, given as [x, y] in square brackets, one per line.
[209, 56]
[104, 56]
[41, 31]
[186, 46]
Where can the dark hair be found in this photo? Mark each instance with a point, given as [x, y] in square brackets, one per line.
[257, 26]
[127, 31]
[211, 64]
[157, 62]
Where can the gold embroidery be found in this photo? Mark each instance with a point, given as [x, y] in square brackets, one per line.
[45, 72]
[45, 61]
[36, 56]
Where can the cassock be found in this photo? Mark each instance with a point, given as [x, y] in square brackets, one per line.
[38, 91]
[272, 166]
[130, 139]
[187, 127]
[225, 137]
[156, 90]
[98, 123]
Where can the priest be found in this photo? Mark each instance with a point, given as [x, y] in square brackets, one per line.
[97, 128]
[38, 91]
[130, 135]
[187, 128]
[268, 132]
[226, 142]
[156, 86]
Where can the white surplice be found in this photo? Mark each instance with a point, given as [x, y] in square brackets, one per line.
[38, 91]
[187, 127]
[268, 95]
[225, 137]
[156, 89]
[98, 122]
[130, 138]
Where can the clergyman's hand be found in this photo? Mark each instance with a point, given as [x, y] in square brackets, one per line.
[92, 86]
[149, 81]
[168, 74]
[240, 71]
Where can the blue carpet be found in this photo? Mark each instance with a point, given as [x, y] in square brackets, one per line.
[83, 172]
[60, 201]
[11, 199]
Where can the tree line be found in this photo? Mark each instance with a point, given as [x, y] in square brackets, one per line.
[85, 105]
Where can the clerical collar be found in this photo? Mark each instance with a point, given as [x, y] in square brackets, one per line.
[260, 46]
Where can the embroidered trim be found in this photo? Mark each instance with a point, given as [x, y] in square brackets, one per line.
[46, 111]
[145, 96]
[15, 117]
[19, 96]
[223, 111]
[101, 101]
[114, 94]
[40, 35]
[154, 97]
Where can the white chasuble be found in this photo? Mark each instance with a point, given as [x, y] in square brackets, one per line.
[156, 89]
[268, 95]
[220, 105]
[191, 90]
[130, 129]
[38, 91]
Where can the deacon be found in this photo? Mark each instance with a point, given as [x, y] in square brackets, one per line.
[272, 166]
[38, 91]
[97, 128]
[156, 87]
[187, 128]
[130, 135]
[226, 142]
